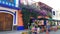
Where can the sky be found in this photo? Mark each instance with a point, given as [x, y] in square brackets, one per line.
[55, 4]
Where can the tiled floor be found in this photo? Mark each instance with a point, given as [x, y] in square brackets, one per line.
[19, 32]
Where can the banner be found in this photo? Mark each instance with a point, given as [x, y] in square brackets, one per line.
[14, 3]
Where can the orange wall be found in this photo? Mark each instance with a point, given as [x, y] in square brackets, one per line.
[20, 21]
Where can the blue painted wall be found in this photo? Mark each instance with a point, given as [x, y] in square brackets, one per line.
[9, 4]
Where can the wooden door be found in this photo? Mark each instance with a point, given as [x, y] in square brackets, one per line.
[6, 21]
[2, 21]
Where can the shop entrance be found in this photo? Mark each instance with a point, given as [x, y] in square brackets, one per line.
[6, 21]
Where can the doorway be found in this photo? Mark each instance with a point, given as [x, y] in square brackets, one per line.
[6, 21]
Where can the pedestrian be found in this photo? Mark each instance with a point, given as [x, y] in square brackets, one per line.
[47, 27]
[34, 29]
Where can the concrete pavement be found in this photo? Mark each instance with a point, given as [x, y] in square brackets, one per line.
[19, 32]
[12, 32]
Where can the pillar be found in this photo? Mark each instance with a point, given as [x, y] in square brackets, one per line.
[20, 21]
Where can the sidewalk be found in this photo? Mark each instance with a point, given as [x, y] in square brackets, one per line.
[19, 32]
[12, 32]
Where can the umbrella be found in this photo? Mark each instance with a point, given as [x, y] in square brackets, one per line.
[42, 19]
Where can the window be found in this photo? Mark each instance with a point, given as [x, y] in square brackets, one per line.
[53, 12]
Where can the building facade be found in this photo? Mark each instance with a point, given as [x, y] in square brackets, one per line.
[10, 15]
[55, 14]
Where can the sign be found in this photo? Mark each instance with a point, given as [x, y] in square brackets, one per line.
[28, 2]
[14, 3]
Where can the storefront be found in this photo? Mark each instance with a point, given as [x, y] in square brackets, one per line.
[56, 17]
[10, 15]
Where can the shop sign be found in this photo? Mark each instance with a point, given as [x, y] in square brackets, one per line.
[14, 3]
